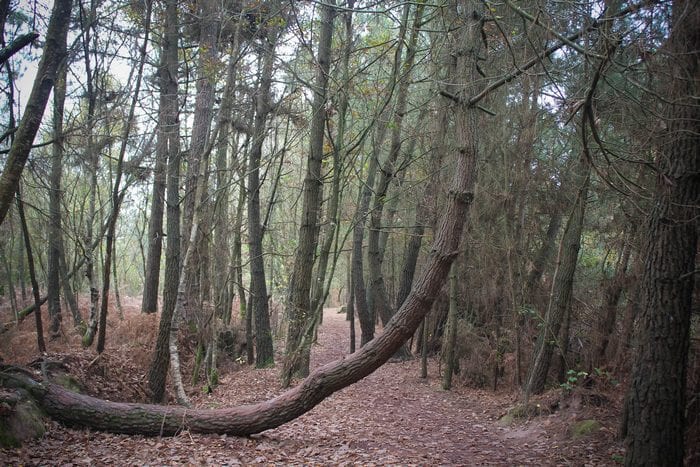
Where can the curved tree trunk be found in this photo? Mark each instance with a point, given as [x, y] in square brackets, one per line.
[81, 410]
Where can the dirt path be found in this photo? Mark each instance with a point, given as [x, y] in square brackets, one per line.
[390, 417]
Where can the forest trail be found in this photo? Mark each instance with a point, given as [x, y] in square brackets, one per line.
[392, 417]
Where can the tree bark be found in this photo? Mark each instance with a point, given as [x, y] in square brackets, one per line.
[92, 155]
[298, 310]
[41, 344]
[207, 12]
[258, 286]
[655, 408]
[451, 333]
[170, 127]
[53, 281]
[149, 303]
[54, 53]
[560, 297]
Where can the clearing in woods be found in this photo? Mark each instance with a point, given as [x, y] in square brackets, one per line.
[391, 417]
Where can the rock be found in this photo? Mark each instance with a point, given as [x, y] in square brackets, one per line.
[584, 428]
[69, 382]
[506, 420]
[20, 419]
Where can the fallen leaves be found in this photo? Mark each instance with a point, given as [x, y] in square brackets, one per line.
[391, 417]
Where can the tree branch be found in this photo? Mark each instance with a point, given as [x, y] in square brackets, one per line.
[16, 45]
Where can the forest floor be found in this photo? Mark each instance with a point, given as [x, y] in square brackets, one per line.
[392, 417]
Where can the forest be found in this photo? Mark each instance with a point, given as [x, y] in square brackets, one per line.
[349, 232]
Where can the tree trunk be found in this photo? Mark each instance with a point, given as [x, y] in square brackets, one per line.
[221, 227]
[68, 294]
[53, 282]
[611, 298]
[298, 309]
[207, 12]
[358, 280]
[560, 297]
[53, 55]
[170, 128]
[451, 333]
[11, 286]
[258, 285]
[543, 254]
[340, 155]
[149, 303]
[655, 408]
[378, 299]
[32, 275]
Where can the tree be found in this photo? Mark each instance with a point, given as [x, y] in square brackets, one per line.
[299, 310]
[258, 287]
[378, 297]
[55, 244]
[208, 18]
[655, 408]
[169, 136]
[32, 274]
[75, 409]
[53, 56]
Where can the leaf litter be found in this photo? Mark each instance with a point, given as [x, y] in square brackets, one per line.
[391, 417]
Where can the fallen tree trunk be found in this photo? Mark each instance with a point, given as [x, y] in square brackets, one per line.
[80, 410]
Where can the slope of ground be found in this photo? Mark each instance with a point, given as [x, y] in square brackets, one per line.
[390, 417]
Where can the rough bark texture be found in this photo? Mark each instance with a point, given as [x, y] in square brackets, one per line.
[53, 257]
[258, 288]
[298, 309]
[170, 128]
[207, 14]
[560, 297]
[656, 399]
[54, 53]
